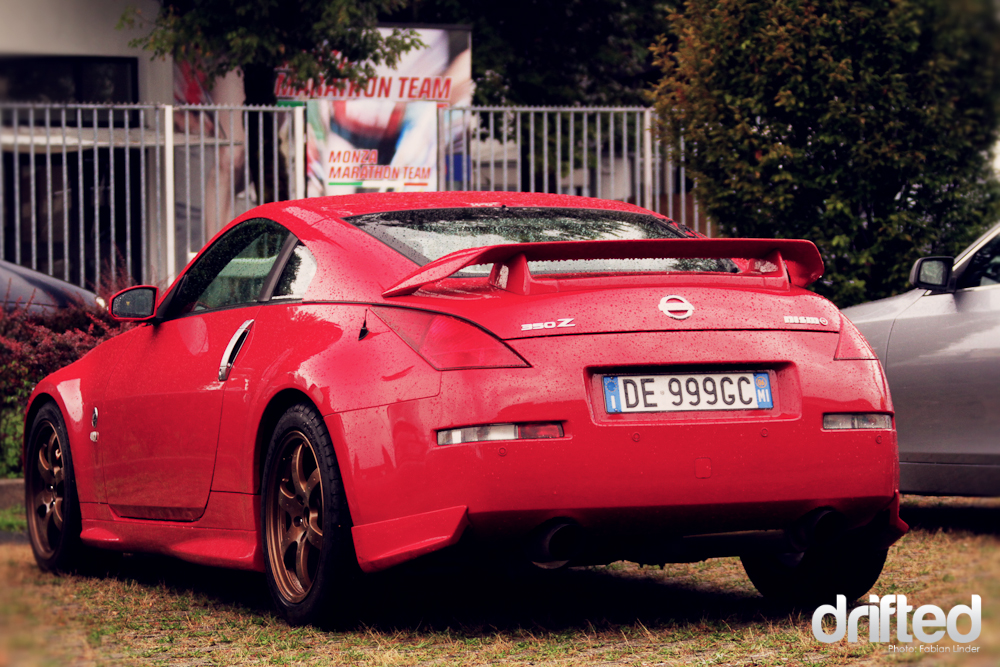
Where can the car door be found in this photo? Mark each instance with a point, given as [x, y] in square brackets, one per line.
[159, 421]
[943, 365]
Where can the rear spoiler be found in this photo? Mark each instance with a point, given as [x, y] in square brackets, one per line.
[801, 259]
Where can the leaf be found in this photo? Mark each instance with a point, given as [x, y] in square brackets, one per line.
[863, 126]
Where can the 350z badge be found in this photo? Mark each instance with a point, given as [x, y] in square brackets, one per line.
[557, 324]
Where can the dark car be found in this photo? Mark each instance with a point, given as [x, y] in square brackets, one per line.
[24, 288]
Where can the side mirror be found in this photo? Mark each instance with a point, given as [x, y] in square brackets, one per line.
[932, 273]
[134, 304]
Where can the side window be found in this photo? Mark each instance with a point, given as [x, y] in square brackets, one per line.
[984, 268]
[297, 274]
[234, 269]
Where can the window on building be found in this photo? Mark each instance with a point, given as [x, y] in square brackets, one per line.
[69, 79]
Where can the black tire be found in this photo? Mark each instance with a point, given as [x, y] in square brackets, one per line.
[848, 567]
[50, 497]
[308, 551]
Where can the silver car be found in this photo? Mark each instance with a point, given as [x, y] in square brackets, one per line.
[940, 345]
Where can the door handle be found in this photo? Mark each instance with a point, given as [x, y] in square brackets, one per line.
[235, 343]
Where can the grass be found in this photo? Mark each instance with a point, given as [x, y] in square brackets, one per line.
[12, 519]
[152, 611]
[11, 436]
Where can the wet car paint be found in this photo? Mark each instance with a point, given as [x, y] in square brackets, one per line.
[624, 477]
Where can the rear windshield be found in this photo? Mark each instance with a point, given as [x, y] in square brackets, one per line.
[426, 235]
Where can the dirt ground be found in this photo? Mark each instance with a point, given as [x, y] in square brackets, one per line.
[152, 610]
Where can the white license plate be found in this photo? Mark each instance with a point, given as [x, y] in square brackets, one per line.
[694, 391]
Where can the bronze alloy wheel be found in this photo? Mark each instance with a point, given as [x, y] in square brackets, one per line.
[50, 495]
[47, 491]
[309, 559]
[294, 517]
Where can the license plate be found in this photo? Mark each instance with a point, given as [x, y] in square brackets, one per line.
[694, 391]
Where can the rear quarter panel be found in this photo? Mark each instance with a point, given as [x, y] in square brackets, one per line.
[314, 349]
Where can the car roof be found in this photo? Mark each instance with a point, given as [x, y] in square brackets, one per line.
[355, 265]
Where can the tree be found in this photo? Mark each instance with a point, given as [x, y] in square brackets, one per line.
[863, 126]
[566, 53]
[571, 52]
[314, 39]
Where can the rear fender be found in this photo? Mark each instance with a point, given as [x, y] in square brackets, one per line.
[329, 365]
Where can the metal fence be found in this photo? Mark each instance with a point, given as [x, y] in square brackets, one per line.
[99, 194]
[607, 152]
[96, 194]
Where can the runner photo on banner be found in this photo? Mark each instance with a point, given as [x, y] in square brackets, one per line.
[382, 136]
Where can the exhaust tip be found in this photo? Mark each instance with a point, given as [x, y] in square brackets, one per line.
[555, 543]
[817, 528]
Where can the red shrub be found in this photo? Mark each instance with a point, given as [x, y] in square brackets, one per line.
[31, 347]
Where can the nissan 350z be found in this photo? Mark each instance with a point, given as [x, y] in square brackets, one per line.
[355, 382]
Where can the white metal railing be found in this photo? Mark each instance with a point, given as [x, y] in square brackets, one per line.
[90, 191]
[219, 136]
[607, 152]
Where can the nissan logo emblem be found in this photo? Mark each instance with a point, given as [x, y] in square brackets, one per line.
[676, 307]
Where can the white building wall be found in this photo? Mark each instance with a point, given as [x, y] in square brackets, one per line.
[84, 28]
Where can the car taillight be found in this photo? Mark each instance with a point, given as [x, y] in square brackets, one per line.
[488, 432]
[852, 345]
[856, 420]
[448, 343]
[538, 431]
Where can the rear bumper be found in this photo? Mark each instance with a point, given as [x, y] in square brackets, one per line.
[629, 479]
[696, 480]
[384, 544]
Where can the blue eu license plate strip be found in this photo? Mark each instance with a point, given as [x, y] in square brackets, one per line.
[612, 397]
[687, 392]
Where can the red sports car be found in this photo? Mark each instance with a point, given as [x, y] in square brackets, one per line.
[364, 380]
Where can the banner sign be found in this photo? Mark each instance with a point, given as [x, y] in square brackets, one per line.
[382, 136]
[397, 89]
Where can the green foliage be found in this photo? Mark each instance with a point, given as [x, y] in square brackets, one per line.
[328, 39]
[13, 520]
[862, 126]
[11, 439]
[588, 52]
